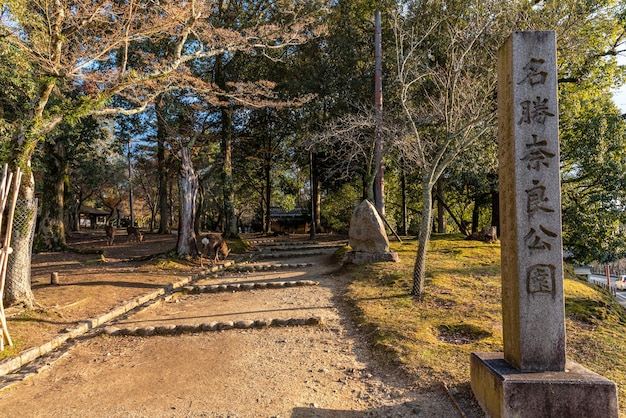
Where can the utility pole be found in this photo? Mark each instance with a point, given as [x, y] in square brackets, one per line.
[312, 230]
[379, 182]
[130, 187]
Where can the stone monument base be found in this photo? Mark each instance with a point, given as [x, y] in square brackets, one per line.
[363, 257]
[503, 391]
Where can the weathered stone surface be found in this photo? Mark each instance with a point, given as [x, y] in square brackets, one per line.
[280, 322]
[184, 328]
[313, 321]
[146, 331]
[362, 257]
[503, 391]
[533, 311]
[221, 326]
[367, 231]
[245, 324]
[111, 330]
[208, 326]
[263, 323]
[532, 378]
[128, 331]
[166, 329]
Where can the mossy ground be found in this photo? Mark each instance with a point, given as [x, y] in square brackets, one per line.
[460, 313]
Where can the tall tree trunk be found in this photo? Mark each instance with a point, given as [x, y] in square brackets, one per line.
[318, 204]
[495, 210]
[365, 192]
[199, 204]
[228, 189]
[171, 202]
[268, 196]
[187, 245]
[378, 186]
[405, 227]
[442, 226]
[67, 199]
[316, 198]
[313, 175]
[162, 167]
[75, 208]
[17, 285]
[419, 270]
[476, 214]
[51, 236]
[18, 280]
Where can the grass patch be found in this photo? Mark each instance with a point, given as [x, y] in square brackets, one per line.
[12, 350]
[340, 253]
[461, 313]
[166, 264]
[239, 245]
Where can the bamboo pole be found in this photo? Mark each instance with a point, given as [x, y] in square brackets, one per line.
[6, 249]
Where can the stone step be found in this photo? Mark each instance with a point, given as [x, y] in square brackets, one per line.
[242, 287]
[261, 256]
[303, 243]
[265, 267]
[211, 326]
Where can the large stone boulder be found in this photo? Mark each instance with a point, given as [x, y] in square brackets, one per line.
[367, 231]
[367, 237]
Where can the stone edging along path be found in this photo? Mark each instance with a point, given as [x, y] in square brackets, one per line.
[211, 326]
[33, 360]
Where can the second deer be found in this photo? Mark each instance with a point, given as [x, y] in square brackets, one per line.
[212, 246]
[109, 230]
[134, 234]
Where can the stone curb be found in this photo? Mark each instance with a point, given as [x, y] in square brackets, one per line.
[262, 267]
[9, 365]
[269, 242]
[46, 360]
[210, 327]
[242, 287]
[290, 255]
[295, 246]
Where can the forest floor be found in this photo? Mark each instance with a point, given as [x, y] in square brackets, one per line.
[222, 366]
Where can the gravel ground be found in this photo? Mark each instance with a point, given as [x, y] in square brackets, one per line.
[319, 370]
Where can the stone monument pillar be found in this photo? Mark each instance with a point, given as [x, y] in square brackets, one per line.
[532, 377]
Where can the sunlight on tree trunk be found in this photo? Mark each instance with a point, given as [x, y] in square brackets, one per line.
[230, 229]
[187, 245]
[419, 269]
[18, 289]
[51, 235]
[447, 79]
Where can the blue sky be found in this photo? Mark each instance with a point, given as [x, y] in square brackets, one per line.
[619, 96]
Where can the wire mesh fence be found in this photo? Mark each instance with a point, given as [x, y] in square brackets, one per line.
[22, 238]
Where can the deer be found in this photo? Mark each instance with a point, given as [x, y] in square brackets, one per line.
[212, 245]
[134, 234]
[109, 230]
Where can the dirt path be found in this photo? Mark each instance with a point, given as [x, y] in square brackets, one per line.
[322, 370]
